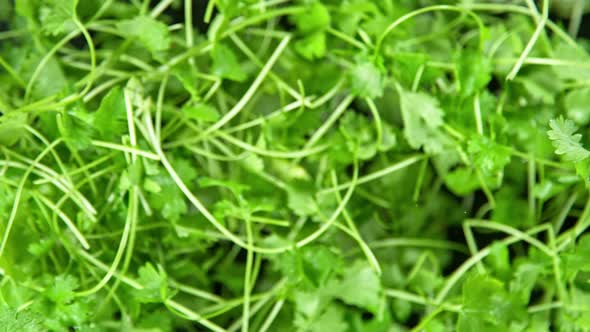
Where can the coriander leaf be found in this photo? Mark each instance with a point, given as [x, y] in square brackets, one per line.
[577, 105]
[60, 317]
[301, 201]
[499, 260]
[233, 8]
[510, 209]
[152, 34]
[41, 248]
[525, 277]
[111, 117]
[61, 290]
[76, 130]
[426, 107]
[566, 142]
[331, 320]
[546, 189]
[539, 85]
[388, 138]
[22, 321]
[570, 320]
[156, 321]
[154, 284]
[406, 65]
[312, 266]
[426, 281]
[359, 134]
[185, 169]
[308, 303]
[576, 260]
[51, 79]
[252, 163]
[473, 71]
[359, 286]
[320, 264]
[185, 74]
[236, 188]
[436, 325]
[315, 18]
[25, 8]
[225, 64]
[488, 156]
[12, 128]
[57, 16]
[202, 112]
[366, 79]
[169, 200]
[575, 54]
[12, 294]
[352, 13]
[151, 186]
[422, 117]
[312, 47]
[289, 171]
[402, 309]
[226, 208]
[487, 306]
[316, 314]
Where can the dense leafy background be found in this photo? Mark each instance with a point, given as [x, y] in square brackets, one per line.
[357, 165]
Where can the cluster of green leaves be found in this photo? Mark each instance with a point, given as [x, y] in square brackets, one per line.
[308, 165]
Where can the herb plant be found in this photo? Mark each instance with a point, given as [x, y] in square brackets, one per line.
[309, 165]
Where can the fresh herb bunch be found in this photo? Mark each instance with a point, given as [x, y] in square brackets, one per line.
[276, 165]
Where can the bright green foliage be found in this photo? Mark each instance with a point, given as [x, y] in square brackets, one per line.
[462, 181]
[510, 209]
[577, 104]
[152, 34]
[525, 276]
[488, 306]
[422, 120]
[154, 285]
[473, 72]
[297, 166]
[61, 290]
[24, 321]
[332, 319]
[359, 286]
[202, 112]
[166, 197]
[57, 16]
[225, 63]
[301, 202]
[577, 259]
[76, 130]
[111, 117]
[232, 8]
[566, 142]
[499, 261]
[488, 156]
[312, 24]
[51, 79]
[360, 136]
[366, 80]
[12, 128]
[315, 17]
[60, 306]
[312, 46]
